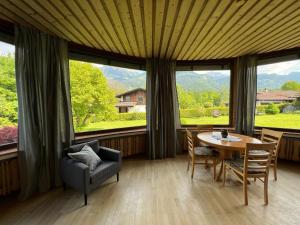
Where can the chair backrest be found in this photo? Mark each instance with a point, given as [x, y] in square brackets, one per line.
[190, 142]
[272, 136]
[205, 128]
[257, 158]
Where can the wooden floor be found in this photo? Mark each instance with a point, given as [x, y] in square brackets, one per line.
[162, 192]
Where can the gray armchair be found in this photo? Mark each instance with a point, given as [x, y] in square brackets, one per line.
[76, 174]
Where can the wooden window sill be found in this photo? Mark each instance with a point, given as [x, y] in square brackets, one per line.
[8, 153]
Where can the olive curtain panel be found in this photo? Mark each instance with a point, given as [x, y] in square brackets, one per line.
[162, 109]
[45, 118]
[246, 94]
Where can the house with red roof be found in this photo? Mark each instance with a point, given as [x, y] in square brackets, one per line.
[267, 97]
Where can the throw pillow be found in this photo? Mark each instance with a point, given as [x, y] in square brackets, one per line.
[87, 156]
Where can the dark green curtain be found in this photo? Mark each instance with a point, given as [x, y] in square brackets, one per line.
[246, 94]
[45, 117]
[162, 109]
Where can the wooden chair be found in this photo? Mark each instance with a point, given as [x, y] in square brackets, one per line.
[204, 128]
[272, 136]
[196, 155]
[256, 163]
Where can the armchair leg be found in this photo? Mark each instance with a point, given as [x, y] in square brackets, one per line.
[118, 177]
[85, 199]
[64, 186]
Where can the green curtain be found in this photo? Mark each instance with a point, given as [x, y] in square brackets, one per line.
[162, 109]
[45, 117]
[246, 94]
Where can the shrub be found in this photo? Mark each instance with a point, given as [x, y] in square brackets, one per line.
[272, 109]
[208, 104]
[132, 116]
[201, 112]
[8, 134]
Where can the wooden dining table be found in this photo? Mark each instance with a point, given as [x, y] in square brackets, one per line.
[226, 147]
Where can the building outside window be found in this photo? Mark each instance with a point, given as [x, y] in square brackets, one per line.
[278, 95]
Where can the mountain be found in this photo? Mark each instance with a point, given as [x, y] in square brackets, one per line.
[124, 79]
[275, 81]
[127, 79]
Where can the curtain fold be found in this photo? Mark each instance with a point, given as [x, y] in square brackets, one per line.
[162, 109]
[45, 117]
[246, 94]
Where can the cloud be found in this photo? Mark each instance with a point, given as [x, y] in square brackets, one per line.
[282, 68]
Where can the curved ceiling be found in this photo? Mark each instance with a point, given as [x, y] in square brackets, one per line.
[178, 29]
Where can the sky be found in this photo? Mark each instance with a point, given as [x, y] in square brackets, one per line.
[282, 68]
[6, 48]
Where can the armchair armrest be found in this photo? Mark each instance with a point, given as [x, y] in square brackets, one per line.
[75, 174]
[110, 154]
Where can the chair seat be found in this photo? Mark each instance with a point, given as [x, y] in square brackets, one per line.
[104, 170]
[238, 164]
[205, 151]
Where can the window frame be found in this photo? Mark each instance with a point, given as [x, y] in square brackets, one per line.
[277, 57]
[112, 130]
[208, 66]
[7, 36]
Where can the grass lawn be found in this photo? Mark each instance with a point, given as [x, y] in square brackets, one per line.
[279, 120]
[104, 125]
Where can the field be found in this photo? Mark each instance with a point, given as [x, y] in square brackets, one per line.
[279, 120]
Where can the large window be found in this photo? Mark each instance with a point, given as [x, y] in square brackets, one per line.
[106, 97]
[8, 95]
[278, 95]
[204, 96]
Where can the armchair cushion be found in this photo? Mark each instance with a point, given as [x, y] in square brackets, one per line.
[76, 148]
[87, 156]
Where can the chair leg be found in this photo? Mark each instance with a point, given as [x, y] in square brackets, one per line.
[254, 179]
[85, 199]
[266, 181]
[245, 183]
[215, 164]
[64, 186]
[224, 174]
[118, 177]
[275, 171]
[193, 169]
[188, 167]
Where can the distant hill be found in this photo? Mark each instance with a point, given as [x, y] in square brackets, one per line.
[124, 79]
[127, 79]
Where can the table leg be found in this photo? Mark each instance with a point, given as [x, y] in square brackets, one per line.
[220, 172]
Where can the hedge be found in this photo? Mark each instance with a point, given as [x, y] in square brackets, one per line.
[132, 116]
[201, 112]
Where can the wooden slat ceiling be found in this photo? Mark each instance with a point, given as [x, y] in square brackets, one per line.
[178, 29]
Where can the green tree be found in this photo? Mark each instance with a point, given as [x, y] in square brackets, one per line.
[185, 98]
[8, 95]
[291, 85]
[272, 109]
[90, 93]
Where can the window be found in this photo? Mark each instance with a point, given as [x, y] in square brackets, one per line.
[278, 95]
[8, 95]
[127, 98]
[204, 96]
[140, 99]
[97, 93]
